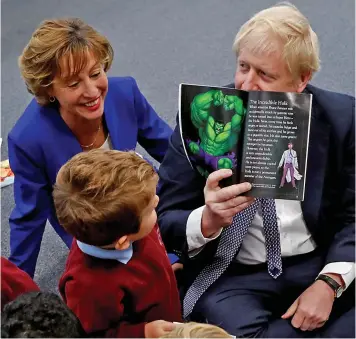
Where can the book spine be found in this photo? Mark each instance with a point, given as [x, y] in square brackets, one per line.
[181, 124]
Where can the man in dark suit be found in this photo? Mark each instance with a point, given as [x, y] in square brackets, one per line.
[264, 267]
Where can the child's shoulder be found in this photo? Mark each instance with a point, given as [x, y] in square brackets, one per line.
[88, 269]
[158, 235]
[153, 247]
[155, 237]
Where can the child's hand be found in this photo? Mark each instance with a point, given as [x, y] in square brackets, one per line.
[177, 266]
[158, 328]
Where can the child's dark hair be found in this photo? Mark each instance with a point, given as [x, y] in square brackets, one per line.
[39, 315]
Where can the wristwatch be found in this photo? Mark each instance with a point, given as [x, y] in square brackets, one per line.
[337, 288]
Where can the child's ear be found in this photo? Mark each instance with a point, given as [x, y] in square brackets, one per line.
[122, 243]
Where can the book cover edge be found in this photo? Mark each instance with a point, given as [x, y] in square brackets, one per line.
[307, 150]
[180, 124]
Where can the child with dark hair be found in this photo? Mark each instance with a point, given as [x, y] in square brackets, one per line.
[39, 315]
[118, 279]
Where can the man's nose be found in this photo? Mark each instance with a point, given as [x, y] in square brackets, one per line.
[250, 82]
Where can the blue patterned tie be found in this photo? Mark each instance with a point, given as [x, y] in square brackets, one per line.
[229, 244]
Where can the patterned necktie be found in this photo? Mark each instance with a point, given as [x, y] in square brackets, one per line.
[229, 244]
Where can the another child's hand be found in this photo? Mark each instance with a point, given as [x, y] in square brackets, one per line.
[158, 328]
[177, 266]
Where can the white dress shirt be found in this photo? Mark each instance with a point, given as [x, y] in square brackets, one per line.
[295, 239]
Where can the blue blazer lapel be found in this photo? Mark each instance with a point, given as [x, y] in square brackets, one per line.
[117, 134]
[121, 121]
[316, 167]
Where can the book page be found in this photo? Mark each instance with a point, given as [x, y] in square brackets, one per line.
[211, 127]
[276, 144]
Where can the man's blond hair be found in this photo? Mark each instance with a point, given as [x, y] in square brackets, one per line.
[196, 330]
[60, 40]
[100, 195]
[284, 25]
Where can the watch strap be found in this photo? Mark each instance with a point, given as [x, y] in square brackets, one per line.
[331, 282]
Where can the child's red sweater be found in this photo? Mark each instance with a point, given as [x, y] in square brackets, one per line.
[14, 282]
[113, 299]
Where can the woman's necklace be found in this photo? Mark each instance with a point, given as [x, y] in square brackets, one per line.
[96, 137]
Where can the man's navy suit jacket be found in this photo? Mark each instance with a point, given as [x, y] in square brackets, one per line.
[329, 202]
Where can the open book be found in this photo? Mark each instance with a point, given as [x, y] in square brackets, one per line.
[262, 136]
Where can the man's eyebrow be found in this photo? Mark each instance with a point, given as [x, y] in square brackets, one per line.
[262, 68]
[268, 72]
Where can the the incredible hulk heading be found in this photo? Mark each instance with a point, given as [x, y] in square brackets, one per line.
[217, 139]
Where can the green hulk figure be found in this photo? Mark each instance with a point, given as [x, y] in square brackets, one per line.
[217, 139]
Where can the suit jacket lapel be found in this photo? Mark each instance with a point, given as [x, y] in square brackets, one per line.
[113, 123]
[69, 144]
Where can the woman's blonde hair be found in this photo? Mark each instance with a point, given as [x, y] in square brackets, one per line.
[54, 39]
[196, 330]
[284, 25]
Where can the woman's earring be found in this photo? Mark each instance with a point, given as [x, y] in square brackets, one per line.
[52, 99]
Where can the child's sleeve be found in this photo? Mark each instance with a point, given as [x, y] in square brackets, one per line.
[14, 282]
[100, 312]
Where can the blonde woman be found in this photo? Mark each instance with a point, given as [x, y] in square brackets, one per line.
[76, 108]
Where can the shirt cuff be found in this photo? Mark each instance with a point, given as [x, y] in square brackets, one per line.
[345, 269]
[195, 239]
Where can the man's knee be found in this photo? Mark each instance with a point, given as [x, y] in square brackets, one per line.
[242, 320]
[342, 327]
[204, 309]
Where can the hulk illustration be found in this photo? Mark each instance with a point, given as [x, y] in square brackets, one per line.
[218, 139]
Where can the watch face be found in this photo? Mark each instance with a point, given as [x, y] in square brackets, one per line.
[339, 292]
